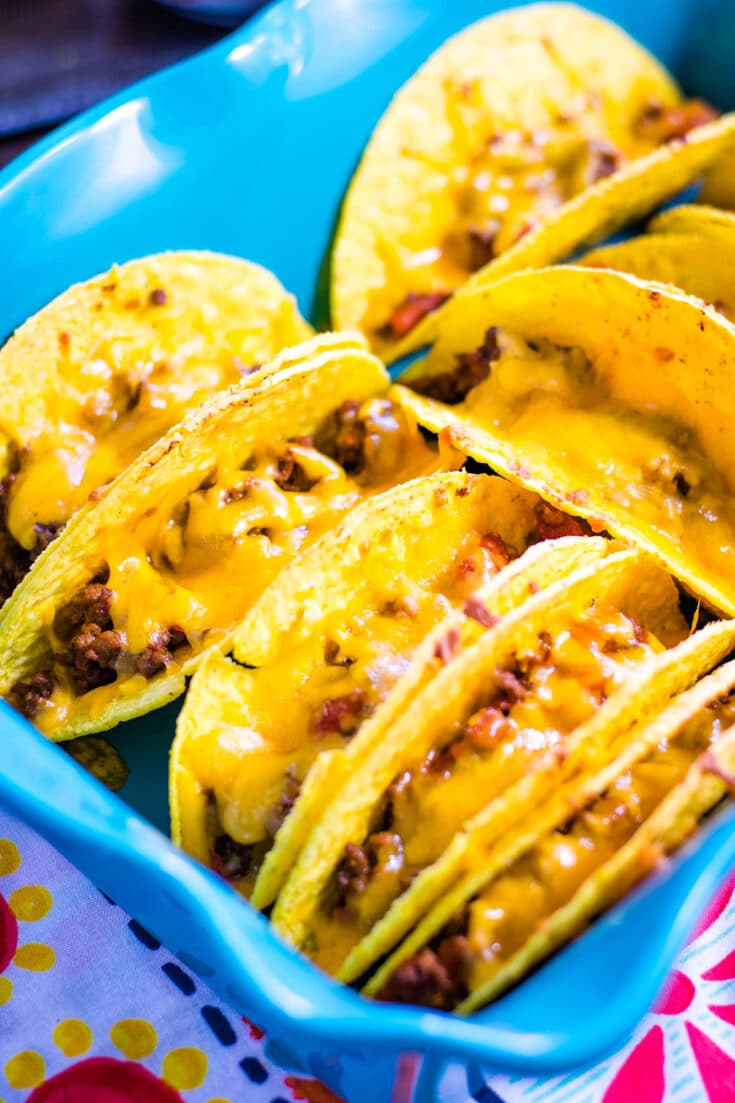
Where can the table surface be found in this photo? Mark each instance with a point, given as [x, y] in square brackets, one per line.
[56, 58]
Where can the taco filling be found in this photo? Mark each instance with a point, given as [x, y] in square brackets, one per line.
[472, 949]
[532, 703]
[550, 417]
[177, 579]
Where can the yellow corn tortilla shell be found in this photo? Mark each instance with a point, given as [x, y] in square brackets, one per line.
[719, 183]
[663, 358]
[593, 215]
[340, 574]
[689, 218]
[686, 247]
[481, 851]
[550, 68]
[291, 399]
[166, 332]
[243, 728]
[622, 577]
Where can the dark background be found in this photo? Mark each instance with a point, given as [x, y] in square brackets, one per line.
[59, 56]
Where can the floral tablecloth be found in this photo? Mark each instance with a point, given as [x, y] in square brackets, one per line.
[94, 1010]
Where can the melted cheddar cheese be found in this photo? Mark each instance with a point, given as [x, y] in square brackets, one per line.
[560, 418]
[534, 703]
[502, 185]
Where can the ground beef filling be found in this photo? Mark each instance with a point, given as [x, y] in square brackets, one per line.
[661, 124]
[407, 315]
[93, 656]
[341, 715]
[230, 859]
[487, 727]
[233, 860]
[94, 649]
[159, 653]
[281, 809]
[291, 476]
[344, 435]
[359, 863]
[28, 697]
[435, 976]
[371, 439]
[552, 524]
[368, 878]
[489, 556]
[471, 368]
[91, 606]
[381, 856]
[94, 652]
[15, 560]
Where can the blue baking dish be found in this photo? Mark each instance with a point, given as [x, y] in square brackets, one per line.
[248, 149]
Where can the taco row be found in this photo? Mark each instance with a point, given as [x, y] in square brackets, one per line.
[419, 656]
[568, 694]
[437, 718]
[606, 395]
[395, 731]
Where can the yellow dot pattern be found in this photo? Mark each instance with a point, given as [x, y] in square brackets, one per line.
[185, 1068]
[9, 857]
[25, 1070]
[30, 903]
[73, 1037]
[135, 1038]
[34, 956]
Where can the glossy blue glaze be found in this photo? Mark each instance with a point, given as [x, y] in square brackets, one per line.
[248, 149]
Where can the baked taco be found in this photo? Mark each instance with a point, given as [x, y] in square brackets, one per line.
[587, 845]
[608, 396]
[505, 708]
[169, 557]
[522, 138]
[332, 652]
[692, 247]
[116, 362]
